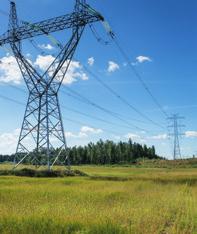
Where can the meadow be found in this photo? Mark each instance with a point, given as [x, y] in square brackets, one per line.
[117, 200]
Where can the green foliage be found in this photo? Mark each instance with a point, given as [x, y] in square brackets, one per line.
[100, 153]
[108, 152]
[28, 172]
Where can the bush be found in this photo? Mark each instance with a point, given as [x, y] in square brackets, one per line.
[42, 173]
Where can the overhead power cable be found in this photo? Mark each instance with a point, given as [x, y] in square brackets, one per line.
[123, 100]
[113, 114]
[97, 36]
[34, 44]
[81, 123]
[76, 111]
[93, 117]
[11, 100]
[137, 74]
[71, 120]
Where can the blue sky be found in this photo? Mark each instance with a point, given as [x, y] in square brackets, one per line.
[160, 39]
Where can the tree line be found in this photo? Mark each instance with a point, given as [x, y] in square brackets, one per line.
[102, 152]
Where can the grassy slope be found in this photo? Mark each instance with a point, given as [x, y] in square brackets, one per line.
[150, 201]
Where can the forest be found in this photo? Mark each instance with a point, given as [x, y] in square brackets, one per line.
[100, 153]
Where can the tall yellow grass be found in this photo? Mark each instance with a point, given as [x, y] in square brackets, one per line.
[146, 201]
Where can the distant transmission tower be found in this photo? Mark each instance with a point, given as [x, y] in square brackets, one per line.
[42, 123]
[176, 126]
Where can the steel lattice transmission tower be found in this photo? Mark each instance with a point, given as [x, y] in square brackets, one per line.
[176, 126]
[42, 121]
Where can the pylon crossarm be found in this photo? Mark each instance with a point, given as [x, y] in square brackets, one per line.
[29, 30]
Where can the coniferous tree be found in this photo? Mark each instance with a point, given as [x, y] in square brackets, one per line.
[101, 153]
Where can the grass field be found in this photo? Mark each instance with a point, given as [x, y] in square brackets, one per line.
[116, 200]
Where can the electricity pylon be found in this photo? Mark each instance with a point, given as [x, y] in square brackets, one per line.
[42, 123]
[176, 134]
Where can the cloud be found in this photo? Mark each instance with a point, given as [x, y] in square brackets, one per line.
[142, 139]
[87, 130]
[84, 132]
[91, 61]
[142, 59]
[43, 62]
[9, 70]
[133, 136]
[75, 71]
[191, 134]
[46, 46]
[160, 137]
[8, 142]
[112, 66]
[73, 135]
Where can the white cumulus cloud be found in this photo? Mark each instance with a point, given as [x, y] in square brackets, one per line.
[84, 132]
[133, 136]
[91, 61]
[159, 137]
[75, 135]
[9, 70]
[44, 61]
[86, 129]
[191, 134]
[112, 66]
[46, 46]
[142, 59]
[75, 71]
[8, 142]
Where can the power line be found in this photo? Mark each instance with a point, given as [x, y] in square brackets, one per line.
[81, 123]
[97, 36]
[112, 91]
[57, 43]
[123, 100]
[11, 100]
[137, 74]
[42, 120]
[93, 117]
[68, 119]
[83, 99]
[76, 111]
[113, 114]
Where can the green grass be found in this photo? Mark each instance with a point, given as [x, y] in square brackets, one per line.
[117, 200]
